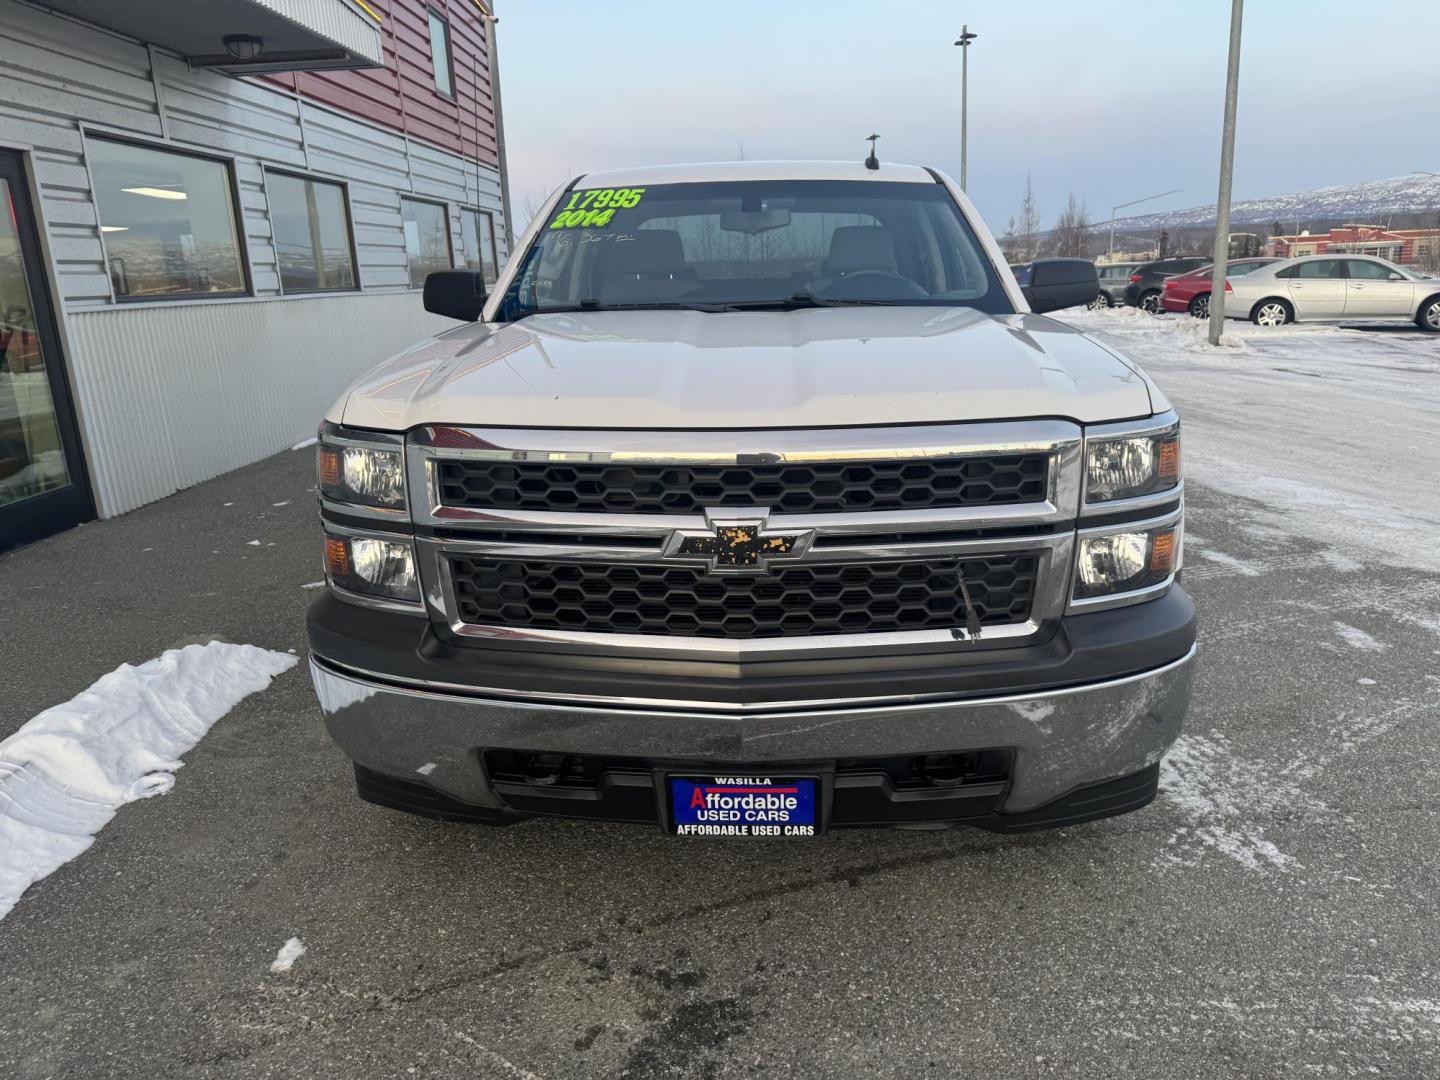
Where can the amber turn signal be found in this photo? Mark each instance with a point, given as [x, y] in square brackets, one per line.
[337, 558]
[1168, 465]
[1162, 552]
[329, 467]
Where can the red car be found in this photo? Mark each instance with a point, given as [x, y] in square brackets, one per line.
[1191, 292]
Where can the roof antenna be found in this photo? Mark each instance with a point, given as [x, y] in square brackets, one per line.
[872, 162]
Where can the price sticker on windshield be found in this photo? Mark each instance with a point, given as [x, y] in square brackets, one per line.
[596, 208]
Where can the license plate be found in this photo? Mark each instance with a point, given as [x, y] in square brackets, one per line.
[743, 806]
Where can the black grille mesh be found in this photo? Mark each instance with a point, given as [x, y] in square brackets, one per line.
[814, 488]
[834, 598]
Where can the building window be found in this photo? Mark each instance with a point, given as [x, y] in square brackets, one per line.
[311, 226]
[440, 55]
[168, 221]
[477, 241]
[427, 238]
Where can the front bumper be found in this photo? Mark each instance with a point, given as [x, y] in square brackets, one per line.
[1061, 740]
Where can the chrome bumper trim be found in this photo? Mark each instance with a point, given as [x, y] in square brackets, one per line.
[1063, 739]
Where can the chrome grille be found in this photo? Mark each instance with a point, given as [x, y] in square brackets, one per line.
[636, 556]
[801, 488]
[797, 601]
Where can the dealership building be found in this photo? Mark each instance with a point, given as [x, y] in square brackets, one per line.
[218, 213]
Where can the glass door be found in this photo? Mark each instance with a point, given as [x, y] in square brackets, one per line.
[42, 474]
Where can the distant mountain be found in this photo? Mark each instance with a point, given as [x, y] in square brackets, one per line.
[1369, 202]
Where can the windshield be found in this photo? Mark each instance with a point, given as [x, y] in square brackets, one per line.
[754, 244]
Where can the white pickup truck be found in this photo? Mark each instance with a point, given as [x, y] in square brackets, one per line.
[756, 499]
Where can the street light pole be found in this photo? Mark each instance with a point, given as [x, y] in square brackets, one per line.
[1133, 202]
[1227, 169]
[966, 37]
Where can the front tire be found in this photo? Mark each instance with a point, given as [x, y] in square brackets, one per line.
[1200, 306]
[1150, 301]
[1100, 301]
[1428, 317]
[1272, 312]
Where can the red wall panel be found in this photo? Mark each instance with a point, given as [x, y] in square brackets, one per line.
[402, 94]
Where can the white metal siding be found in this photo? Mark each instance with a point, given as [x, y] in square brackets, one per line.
[175, 394]
[172, 393]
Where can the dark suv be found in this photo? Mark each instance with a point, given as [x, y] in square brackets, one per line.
[1147, 281]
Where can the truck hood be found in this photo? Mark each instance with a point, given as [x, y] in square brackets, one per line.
[826, 367]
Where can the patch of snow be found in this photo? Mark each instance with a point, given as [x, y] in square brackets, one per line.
[307, 442]
[285, 959]
[313, 585]
[229, 504]
[66, 772]
[426, 769]
[1366, 682]
[1221, 796]
[1252, 415]
[252, 543]
[1358, 639]
[1231, 563]
[282, 502]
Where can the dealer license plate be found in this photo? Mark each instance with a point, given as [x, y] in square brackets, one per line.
[744, 805]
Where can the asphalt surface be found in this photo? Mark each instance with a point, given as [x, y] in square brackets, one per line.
[1271, 915]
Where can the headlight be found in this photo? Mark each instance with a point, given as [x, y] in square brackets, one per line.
[1122, 562]
[1125, 468]
[367, 475]
[372, 566]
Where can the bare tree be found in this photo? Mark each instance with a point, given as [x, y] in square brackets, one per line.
[1162, 245]
[1028, 228]
[1072, 230]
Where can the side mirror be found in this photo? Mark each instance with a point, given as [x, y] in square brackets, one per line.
[460, 294]
[1061, 283]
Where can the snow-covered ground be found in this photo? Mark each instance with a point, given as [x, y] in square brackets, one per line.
[1335, 432]
[66, 772]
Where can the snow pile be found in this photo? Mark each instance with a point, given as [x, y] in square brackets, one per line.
[65, 773]
[285, 959]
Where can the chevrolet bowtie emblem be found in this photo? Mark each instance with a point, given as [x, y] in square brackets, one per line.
[737, 545]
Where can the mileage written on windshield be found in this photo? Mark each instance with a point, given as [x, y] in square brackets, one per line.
[594, 209]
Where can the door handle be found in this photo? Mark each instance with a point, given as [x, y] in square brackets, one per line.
[1296, 285]
[1357, 286]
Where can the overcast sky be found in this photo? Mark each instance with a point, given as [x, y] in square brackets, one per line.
[1111, 100]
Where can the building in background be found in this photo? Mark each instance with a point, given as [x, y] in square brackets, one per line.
[217, 214]
[1408, 247]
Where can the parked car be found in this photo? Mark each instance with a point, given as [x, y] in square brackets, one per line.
[1191, 292]
[1147, 280]
[1113, 279]
[1350, 287]
[755, 539]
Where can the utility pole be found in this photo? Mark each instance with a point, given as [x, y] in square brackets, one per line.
[1227, 169]
[966, 37]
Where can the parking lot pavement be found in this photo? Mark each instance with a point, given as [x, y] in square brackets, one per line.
[1271, 915]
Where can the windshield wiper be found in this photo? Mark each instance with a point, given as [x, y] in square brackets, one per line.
[643, 305]
[797, 300]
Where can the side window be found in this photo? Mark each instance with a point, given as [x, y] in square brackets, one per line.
[1322, 268]
[312, 233]
[167, 221]
[440, 60]
[1289, 271]
[1369, 271]
[477, 242]
[427, 238]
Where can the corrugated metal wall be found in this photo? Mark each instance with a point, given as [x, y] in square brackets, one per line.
[169, 393]
[177, 394]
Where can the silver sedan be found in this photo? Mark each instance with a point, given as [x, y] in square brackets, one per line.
[1344, 287]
